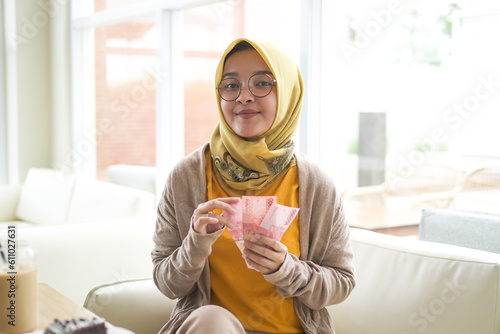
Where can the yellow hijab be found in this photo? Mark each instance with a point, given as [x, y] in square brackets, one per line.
[249, 167]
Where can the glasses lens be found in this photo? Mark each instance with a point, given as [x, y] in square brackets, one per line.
[260, 85]
[229, 89]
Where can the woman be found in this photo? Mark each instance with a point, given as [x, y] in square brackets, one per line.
[251, 153]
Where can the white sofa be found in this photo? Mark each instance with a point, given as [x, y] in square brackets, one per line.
[133, 176]
[85, 232]
[403, 286]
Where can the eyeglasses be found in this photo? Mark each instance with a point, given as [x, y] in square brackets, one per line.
[260, 85]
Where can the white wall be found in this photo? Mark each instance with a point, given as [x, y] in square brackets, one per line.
[3, 116]
[37, 87]
[61, 84]
[33, 88]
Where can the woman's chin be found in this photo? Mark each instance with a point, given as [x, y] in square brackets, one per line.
[250, 136]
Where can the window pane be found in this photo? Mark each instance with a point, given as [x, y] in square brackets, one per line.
[208, 30]
[125, 63]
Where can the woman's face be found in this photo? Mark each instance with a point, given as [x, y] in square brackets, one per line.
[248, 116]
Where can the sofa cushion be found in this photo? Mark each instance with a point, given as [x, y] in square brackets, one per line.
[45, 196]
[478, 230]
[96, 200]
[17, 223]
[9, 197]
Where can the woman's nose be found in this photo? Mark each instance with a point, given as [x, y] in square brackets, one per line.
[245, 95]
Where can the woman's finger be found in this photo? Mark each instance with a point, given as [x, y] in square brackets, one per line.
[222, 204]
[267, 254]
[206, 221]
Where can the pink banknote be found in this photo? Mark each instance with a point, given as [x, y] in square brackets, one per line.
[259, 214]
[277, 220]
[236, 220]
[254, 210]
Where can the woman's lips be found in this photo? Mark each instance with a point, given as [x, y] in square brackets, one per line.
[247, 113]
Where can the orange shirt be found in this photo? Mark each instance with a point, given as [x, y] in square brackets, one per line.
[245, 292]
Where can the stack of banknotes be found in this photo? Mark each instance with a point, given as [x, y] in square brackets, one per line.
[259, 214]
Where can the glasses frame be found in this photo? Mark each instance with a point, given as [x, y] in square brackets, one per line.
[273, 81]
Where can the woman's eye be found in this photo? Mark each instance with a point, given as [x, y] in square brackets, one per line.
[263, 84]
[231, 86]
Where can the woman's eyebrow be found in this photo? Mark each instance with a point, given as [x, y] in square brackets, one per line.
[264, 72]
[235, 74]
[230, 74]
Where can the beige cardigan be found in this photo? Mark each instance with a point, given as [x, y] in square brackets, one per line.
[323, 275]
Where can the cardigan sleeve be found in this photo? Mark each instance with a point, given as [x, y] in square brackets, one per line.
[178, 264]
[315, 284]
[179, 254]
[324, 274]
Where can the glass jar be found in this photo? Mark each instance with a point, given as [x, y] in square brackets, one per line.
[18, 302]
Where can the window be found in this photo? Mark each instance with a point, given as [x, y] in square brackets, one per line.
[208, 31]
[125, 90]
[420, 64]
[144, 70]
[144, 91]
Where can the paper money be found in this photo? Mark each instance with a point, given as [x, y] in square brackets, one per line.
[236, 220]
[259, 214]
[254, 210]
[276, 221]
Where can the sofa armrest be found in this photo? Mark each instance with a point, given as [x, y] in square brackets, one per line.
[74, 258]
[136, 304]
[9, 197]
[413, 286]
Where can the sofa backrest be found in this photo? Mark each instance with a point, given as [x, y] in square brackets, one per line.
[52, 197]
[46, 196]
[96, 200]
[138, 177]
[407, 286]
[9, 198]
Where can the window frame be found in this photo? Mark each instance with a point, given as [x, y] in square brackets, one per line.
[310, 66]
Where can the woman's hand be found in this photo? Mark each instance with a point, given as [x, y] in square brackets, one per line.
[265, 254]
[205, 221]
